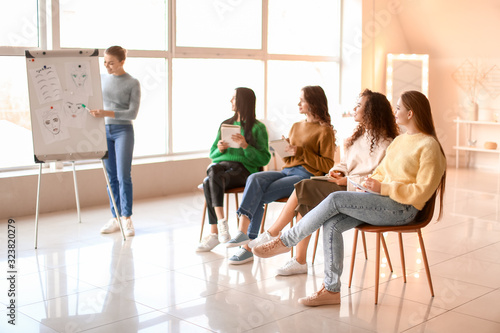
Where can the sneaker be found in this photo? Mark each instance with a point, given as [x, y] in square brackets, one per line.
[241, 257]
[270, 249]
[129, 227]
[110, 227]
[292, 267]
[263, 238]
[240, 239]
[223, 228]
[208, 243]
[321, 297]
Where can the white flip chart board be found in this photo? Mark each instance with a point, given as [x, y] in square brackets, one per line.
[62, 85]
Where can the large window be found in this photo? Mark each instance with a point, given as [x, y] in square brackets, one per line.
[189, 56]
[138, 25]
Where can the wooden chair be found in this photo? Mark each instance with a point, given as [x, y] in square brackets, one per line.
[421, 220]
[235, 191]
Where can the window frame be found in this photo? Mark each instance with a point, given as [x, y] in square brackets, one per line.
[49, 38]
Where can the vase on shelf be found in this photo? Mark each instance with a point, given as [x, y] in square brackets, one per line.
[472, 111]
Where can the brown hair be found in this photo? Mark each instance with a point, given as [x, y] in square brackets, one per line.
[316, 98]
[378, 120]
[119, 52]
[419, 104]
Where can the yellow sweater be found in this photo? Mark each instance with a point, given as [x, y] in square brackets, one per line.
[411, 170]
[315, 147]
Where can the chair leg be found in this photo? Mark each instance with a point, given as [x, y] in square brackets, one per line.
[236, 208]
[386, 252]
[426, 263]
[291, 226]
[227, 205]
[263, 222]
[203, 219]
[315, 245]
[377, 266]
[263, 219]
[353, 256]
[364, 244]
[402, 255]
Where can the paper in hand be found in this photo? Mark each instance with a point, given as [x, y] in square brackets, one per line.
[280, 146]
[227, 131]
[361, 187]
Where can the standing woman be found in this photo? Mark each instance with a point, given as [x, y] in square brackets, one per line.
[121, 98]
[232, 166]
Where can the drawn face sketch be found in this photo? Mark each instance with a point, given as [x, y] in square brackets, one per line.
[52, 122]
[72, 109]
[79, 75]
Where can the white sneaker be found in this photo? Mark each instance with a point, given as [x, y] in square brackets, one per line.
[129, 227]
[110, 227]
[292, 267]
[263, 238]
[208, 243]
[223, 228]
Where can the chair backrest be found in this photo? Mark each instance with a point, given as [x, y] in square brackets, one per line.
[425, 215]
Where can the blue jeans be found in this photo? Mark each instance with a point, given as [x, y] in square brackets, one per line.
[265, 187]
[339, 212]
[119, 166]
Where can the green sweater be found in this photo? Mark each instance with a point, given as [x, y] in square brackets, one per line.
[252, 157]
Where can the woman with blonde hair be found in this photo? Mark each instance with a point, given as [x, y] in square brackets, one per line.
[121, 99]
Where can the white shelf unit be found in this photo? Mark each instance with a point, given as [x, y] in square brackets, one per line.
[468, 149]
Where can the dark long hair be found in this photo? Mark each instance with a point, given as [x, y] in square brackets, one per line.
[318, 103]
[378, 120]
[245, 107]
[419, 104]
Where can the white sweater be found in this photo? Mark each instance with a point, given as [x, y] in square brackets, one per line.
[358, 160]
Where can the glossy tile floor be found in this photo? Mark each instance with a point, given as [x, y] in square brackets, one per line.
[78, 280]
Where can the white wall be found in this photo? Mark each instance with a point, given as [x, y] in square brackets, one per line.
[18, 194]
[451, 32]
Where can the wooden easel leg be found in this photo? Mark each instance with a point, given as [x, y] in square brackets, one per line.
[37, 204]
[113, 200]
[76, 195]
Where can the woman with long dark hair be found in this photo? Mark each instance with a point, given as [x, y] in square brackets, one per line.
[231, 166]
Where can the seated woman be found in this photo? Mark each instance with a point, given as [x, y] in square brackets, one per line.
[232, 166]
[363, 152]
[312, 144]
[413, 169]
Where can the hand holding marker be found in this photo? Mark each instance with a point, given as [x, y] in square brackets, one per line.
[95, 113]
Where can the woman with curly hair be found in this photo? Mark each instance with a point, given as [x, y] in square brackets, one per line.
[363, 152]
[312, 144]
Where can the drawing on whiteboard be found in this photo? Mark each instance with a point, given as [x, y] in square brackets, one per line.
[47, 85]
[79, 77]
[76, 115]
[52, 124]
